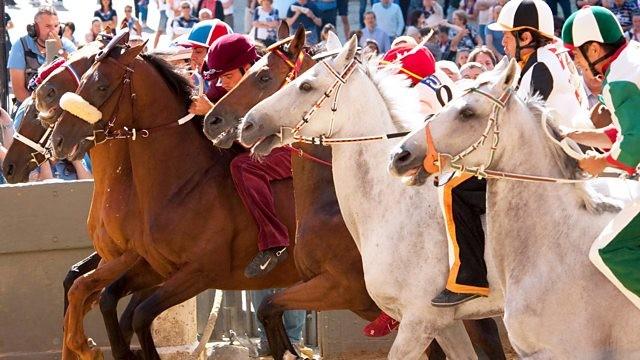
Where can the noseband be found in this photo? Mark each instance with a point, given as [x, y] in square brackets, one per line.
[42, 147]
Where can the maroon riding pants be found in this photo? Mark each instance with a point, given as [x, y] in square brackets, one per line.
[252, 178]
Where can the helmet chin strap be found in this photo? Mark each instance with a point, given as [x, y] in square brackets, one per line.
[592, 64]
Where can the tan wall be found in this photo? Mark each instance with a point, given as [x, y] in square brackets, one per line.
[42, 233]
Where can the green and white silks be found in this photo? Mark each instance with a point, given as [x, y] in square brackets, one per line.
[616, 251]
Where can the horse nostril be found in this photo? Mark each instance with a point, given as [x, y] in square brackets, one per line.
[248, 126]
[10, 169]
[217, 120]
[403, 157]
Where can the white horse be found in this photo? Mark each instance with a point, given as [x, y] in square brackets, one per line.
[398, 229]
[557, 304]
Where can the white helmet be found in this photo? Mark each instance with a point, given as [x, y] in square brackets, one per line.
[525, 14]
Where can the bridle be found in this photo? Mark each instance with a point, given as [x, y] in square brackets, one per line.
[334, 88]
[42, 147]
[109, 132]
[434, 160]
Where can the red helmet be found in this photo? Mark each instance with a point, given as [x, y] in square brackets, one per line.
[417, 62]
[230, 52]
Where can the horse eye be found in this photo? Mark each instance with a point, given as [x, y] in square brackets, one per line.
[305, 86]
[51, 92]
[102, 87]
[265, 78]
[467, 113]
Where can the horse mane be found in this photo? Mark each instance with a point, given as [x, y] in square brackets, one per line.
[179, 85]
[400, 99]
[593, 201]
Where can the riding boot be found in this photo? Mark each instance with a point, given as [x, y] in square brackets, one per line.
[464, 201]
[251, 178]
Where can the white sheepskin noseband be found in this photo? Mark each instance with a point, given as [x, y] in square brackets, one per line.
[80, 107]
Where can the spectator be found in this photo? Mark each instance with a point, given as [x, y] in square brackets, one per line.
[227, 11]
[634, 32]
[444, 43]
[389, 18]
[462, 56]
[494, 38]
[205, 14]
[96, 27]
[183, 23]
[404, 41]
[466, 38]
[372, 31]
[142, 11]
[106, 13]
[266, 20]
[484, 56]
[624, 11]
[582, 3]
[484, 9]
[306, 14]
[328, 12]
[215, 6]
[68, 31]
[432, 45]
[28, 52]
[164, 6]
[343, 12]
[469, 8]
[564, 4]
[6, 137]
[294, 321]
[414, 33]
[450, 69]
[131, 22]
[8, 24]
[361, 11]
[558, 23]
[357, 33]
[432, 10]
[471, 70]
[416, 19]
[371, 48]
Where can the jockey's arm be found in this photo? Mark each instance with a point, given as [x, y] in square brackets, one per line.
[598, 138]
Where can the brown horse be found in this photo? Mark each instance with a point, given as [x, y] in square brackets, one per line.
[326, 255]
[164, 208]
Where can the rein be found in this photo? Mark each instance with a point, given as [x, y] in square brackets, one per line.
[434, 160]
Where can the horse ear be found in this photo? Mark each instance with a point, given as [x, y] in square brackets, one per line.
[501, 65]
[129, 54]
[297, 43]
[283, 30]
[347, 54]
[333, 42]
[509, 77]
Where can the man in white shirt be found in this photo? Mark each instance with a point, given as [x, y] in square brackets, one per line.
[389, 18]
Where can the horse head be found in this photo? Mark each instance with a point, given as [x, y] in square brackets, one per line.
[63, 78]
[25, 154]
[280, 64]
[102, 90]
[268, 123]
[460, 131]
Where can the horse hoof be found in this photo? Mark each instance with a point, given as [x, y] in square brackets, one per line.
[92, 344]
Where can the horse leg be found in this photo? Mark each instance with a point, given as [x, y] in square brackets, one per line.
[455, 342]
[308, 295]
[74, 337]
[181, 286]
[78, 269]
[141, 276]
[126, 319]
[484, 334]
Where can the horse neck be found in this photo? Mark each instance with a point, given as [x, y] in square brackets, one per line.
[526, 220]
[312, 180]
[173, 159]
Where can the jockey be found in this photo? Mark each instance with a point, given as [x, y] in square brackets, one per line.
[228, 59]
[528, 30]
[599, 45]
[200, 38]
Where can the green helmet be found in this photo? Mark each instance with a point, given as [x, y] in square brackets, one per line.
[591, 23]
